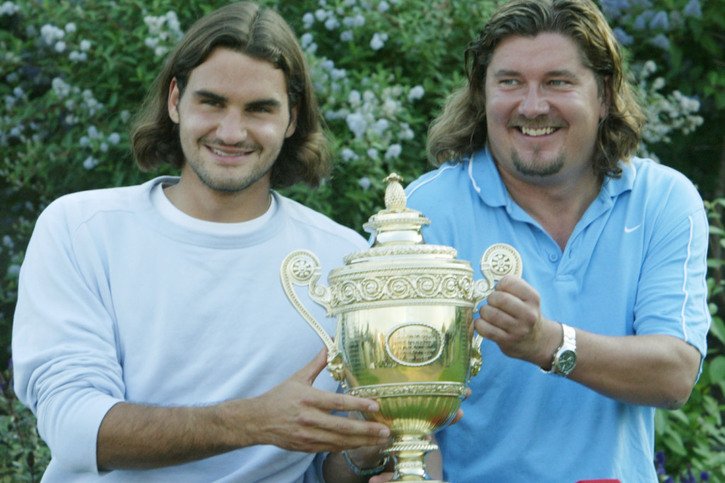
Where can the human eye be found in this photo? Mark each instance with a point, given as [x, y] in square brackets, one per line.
[211, 102]
[559, 82]
[209, 99]
[263, 107]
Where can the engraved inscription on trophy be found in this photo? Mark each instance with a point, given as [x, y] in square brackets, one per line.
[414, 344]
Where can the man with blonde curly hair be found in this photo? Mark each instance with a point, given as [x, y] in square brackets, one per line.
[609, 319]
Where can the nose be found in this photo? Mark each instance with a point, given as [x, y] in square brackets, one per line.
[232, 128]
[534, 103]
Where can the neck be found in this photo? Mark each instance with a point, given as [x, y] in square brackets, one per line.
[557, 207]
[219, 206]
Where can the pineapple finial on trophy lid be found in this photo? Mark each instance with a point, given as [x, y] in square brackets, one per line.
[396, 224]
[395, 198]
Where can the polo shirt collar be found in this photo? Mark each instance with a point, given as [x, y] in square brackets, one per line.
[481, 170]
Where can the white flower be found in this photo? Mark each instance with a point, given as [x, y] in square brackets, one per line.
[308, 20]
[173, 22]
[354, 98]
[60, 88]
[76, 56]
[114, 138]
[348, 154]
[378, 40]
[383, 6]
[391, 107]
[59, 46]
[70, 27]
[331, 23]
[393, 151]
[50, 34]
[416, 93]
[85, 45]
[380, 126]
[8, 8]
[306, 40]
[346, 36]
[90, 162]
[93, 132]
[364, 183]
[373, 153]
[357, 124]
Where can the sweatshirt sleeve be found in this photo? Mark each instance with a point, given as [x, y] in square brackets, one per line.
[66, 365]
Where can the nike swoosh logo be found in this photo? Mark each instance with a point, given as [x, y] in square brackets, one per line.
[628, 229]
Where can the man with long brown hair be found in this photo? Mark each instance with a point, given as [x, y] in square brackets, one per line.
[609, 319]
[152, 337]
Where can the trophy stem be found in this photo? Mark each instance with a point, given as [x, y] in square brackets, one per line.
[409, 452]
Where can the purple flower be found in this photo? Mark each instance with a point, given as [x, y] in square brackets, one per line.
[640, 23]
[693, 9]
[614, 9]
[623, 37]
[660, 41]
[660, 21]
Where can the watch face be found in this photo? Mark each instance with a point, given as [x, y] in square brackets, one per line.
[565, 362]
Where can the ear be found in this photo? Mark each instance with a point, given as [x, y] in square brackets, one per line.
[172, 103]
[292, 126]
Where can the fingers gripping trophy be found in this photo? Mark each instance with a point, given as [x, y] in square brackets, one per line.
[404, 333]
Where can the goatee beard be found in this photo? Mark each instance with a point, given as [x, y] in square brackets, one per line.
[537, 168]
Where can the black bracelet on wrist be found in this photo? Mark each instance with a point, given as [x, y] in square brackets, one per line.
[365, 471]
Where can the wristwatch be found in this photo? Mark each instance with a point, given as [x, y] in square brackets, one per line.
[564, 359]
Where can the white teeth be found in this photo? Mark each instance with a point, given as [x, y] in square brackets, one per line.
[537, 132]
[224, 153]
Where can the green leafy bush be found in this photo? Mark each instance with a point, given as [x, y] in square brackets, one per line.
[75, 71]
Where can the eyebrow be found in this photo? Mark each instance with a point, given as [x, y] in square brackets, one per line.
[256, 104]
[204, 94]
[554, 73]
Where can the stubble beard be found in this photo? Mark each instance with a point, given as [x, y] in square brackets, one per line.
[230, 184]
[537, 168]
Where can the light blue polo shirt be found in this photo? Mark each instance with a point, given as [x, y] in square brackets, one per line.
[634, 264]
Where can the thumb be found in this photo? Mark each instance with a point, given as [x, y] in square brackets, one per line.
[309, 373]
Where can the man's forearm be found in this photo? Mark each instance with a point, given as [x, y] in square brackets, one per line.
[137, 436]
[654, 370]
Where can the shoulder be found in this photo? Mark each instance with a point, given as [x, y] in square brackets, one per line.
[313, 222]
[75, 209]
[441, 179]
[655, 182]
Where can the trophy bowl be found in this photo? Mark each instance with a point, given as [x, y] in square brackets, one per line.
[404, 333]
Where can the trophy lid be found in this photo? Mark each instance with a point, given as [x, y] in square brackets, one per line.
[396, 229]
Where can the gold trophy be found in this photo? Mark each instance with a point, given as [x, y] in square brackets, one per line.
[404, 332]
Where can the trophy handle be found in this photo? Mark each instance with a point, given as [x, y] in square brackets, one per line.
[499, 260]
[302, 267]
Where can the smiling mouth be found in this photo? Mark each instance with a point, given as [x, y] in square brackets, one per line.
[229, 153]
[543, 131]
